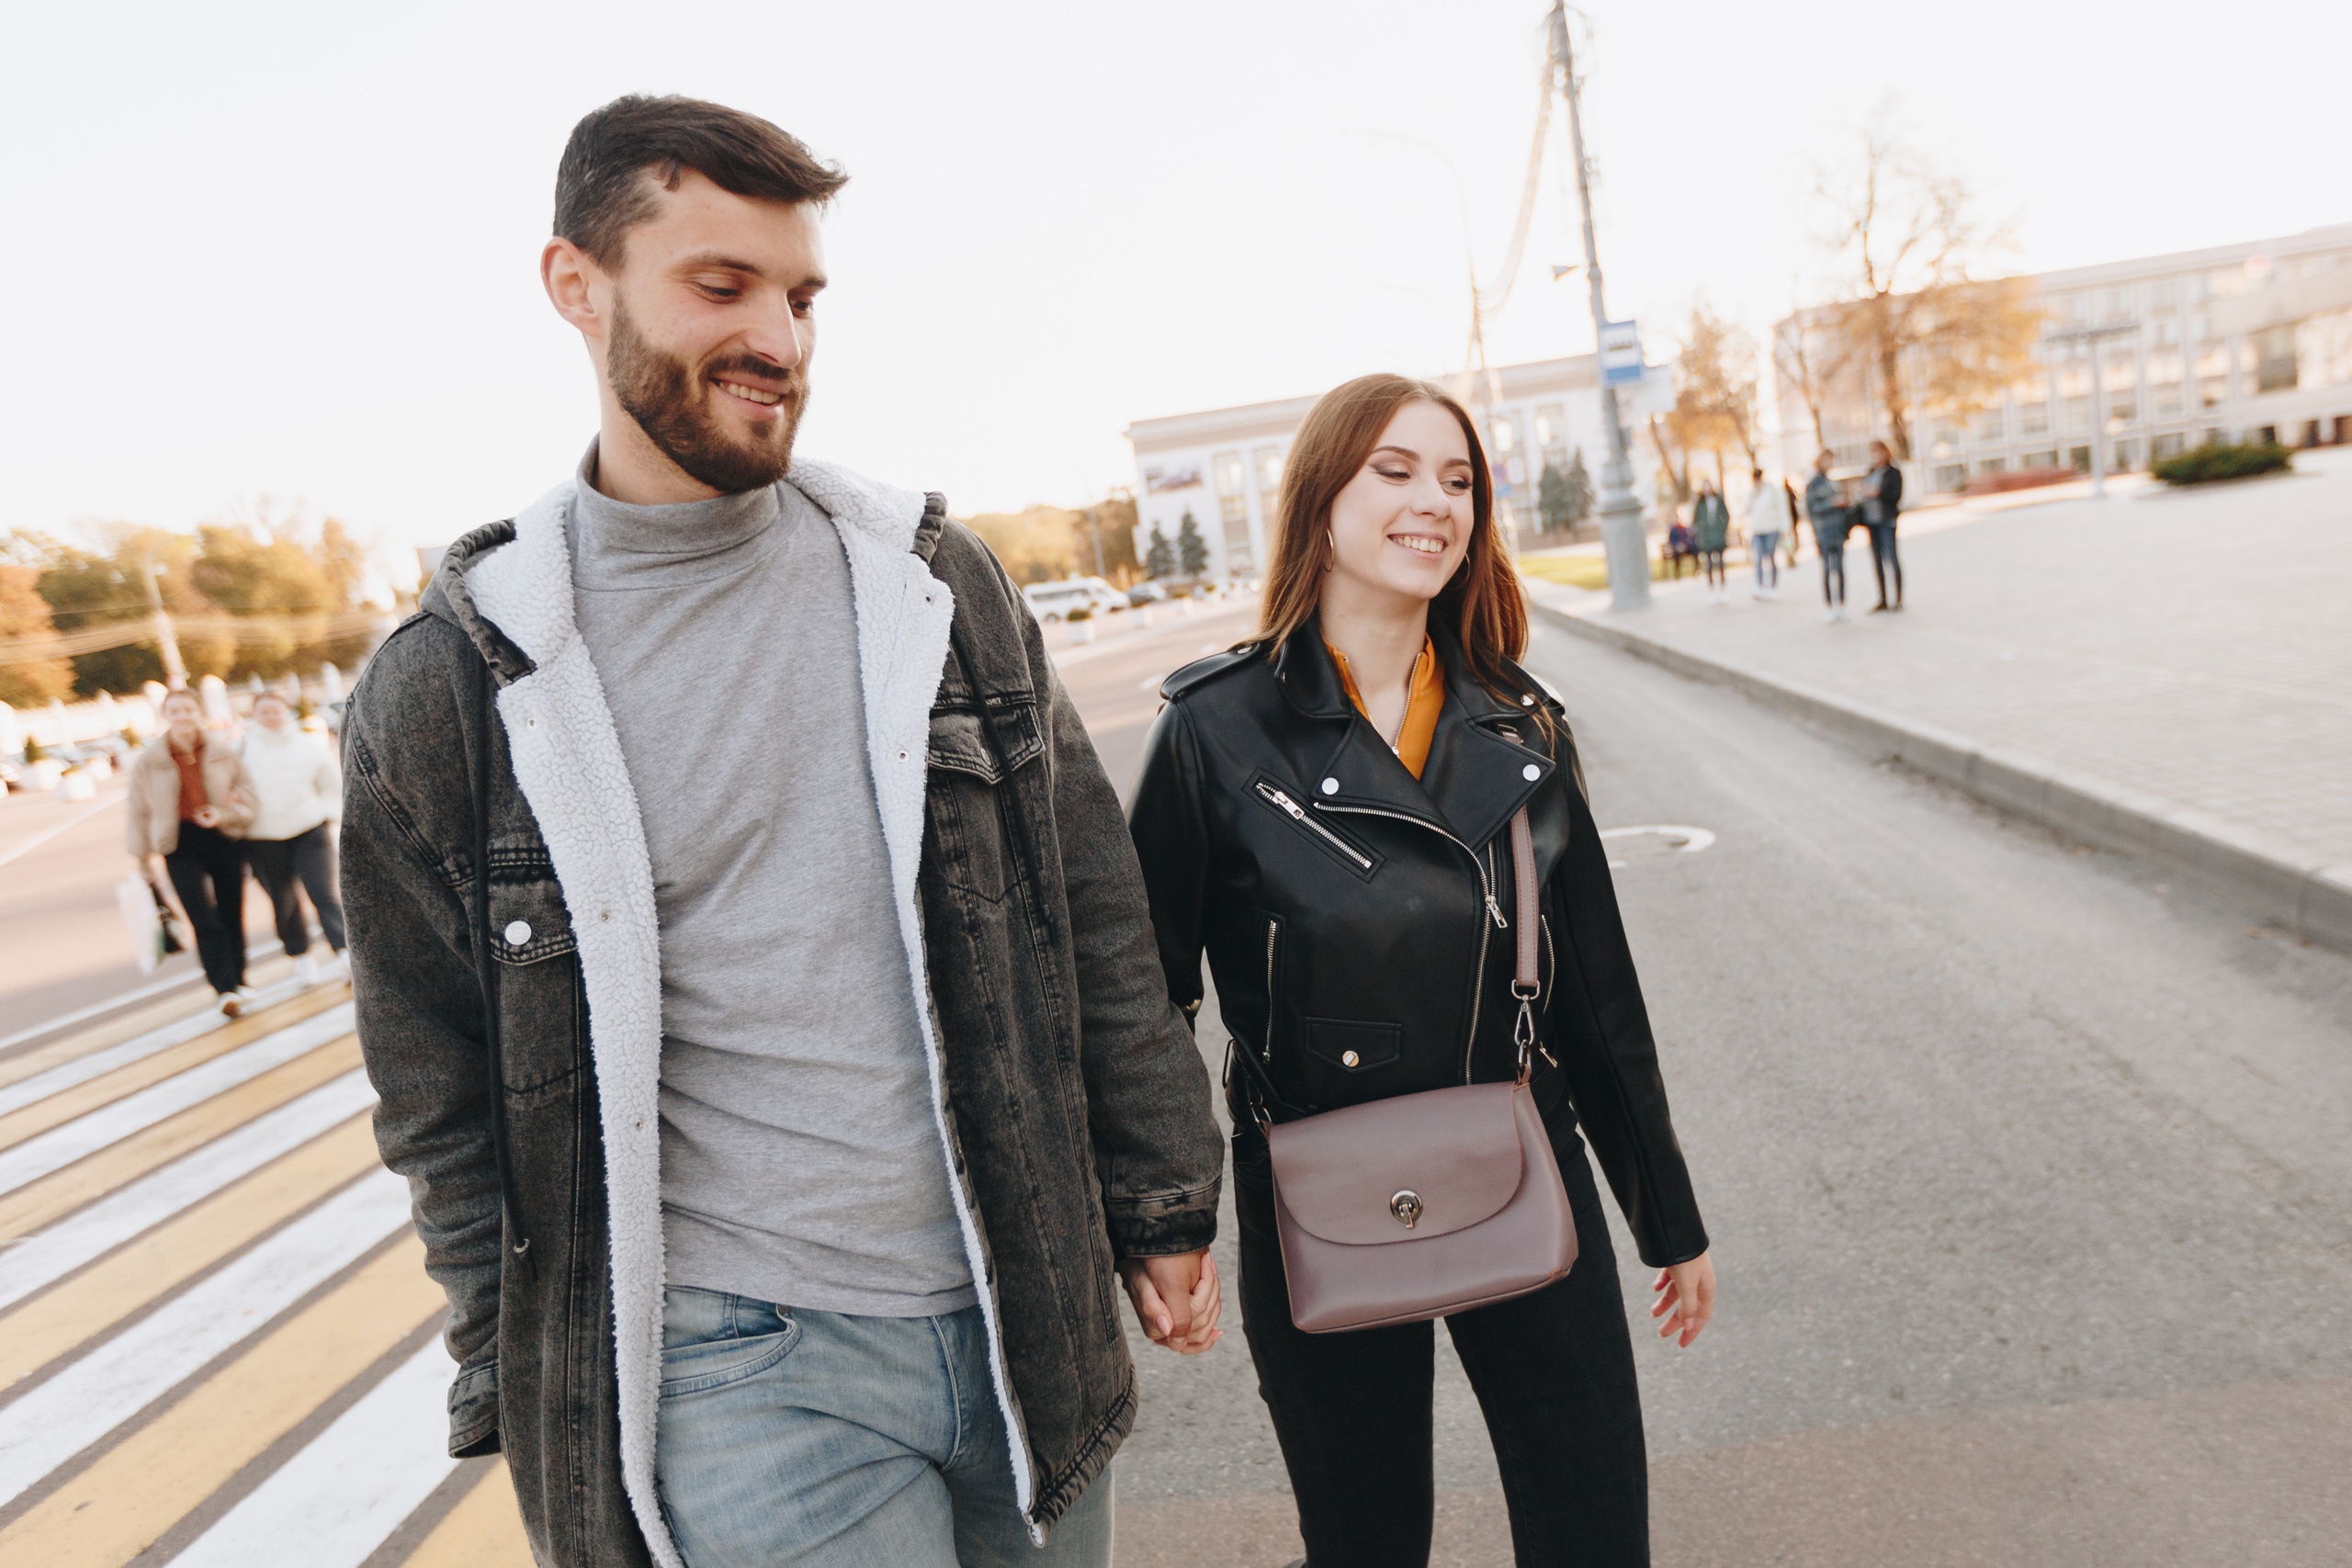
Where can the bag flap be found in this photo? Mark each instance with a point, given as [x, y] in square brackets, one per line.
[1344, 1175]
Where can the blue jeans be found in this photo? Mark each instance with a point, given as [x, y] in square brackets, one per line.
[823, 1439]
[1766, 548]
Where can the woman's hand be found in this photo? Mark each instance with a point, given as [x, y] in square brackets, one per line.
[1687, 1290]
[1177, 1299]
[206, 817]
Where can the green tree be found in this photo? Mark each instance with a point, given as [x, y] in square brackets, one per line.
[1581, 495]
[1159, 560]
[1191, 550]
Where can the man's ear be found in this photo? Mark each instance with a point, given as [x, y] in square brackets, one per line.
[570, 275]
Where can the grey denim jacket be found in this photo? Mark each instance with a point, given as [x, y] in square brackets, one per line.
[1075, 1109]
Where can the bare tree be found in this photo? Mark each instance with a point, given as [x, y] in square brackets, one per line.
[1811, 350]
[1907, 237]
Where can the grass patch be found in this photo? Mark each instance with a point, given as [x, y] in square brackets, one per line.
[1587, 572]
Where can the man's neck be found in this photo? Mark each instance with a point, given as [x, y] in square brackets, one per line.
[633, 471]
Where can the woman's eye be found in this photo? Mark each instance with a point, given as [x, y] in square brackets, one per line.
[1389, 473]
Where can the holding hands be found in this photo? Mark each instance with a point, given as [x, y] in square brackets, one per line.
[1177, 1299]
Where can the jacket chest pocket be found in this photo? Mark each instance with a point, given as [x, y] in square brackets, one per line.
[542, 1016]
[969, 799]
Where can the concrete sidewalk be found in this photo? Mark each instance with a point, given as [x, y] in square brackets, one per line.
[2164, 675]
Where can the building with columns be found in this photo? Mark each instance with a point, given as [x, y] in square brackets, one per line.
[2237, 342]
[1224, 466]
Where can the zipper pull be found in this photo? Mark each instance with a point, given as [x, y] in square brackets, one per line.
[1496, 909]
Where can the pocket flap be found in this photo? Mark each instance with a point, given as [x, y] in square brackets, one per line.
[1445, 1159]
[1353, 1047]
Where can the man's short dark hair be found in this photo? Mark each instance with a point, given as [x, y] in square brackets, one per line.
[602, 187]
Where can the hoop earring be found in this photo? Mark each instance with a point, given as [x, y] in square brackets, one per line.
[1331, 541]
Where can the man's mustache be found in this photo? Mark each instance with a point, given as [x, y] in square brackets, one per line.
[762, 374]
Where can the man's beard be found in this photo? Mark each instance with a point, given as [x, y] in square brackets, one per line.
[659, 389]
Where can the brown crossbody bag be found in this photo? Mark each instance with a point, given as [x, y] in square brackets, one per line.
[1424, 1204]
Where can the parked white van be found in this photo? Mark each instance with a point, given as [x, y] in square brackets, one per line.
[1051, 602]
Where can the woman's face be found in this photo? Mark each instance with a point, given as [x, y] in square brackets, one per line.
[1402, 525]
[181, 714]
[269, 712]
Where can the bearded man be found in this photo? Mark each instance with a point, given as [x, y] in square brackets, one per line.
[752, 958]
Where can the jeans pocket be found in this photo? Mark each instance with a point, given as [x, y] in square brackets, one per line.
[705, 1364]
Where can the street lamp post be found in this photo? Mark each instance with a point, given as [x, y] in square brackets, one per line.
[1621, 514]
[2091, 336]
[166, 642]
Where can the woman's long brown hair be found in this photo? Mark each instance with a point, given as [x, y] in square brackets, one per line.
[1482, 602]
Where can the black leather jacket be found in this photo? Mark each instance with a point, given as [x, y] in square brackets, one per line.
[1355, 918]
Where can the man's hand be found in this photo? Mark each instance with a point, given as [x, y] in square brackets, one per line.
[206, 817]
[1687, 1290]
[1177, 1299]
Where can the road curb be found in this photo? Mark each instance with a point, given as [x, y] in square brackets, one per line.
[2313, 901]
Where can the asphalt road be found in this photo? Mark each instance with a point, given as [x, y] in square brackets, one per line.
[2028, 1175]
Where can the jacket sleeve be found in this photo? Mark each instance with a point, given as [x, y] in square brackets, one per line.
[237, 813]
[327, 779]
[138, 832]
[412, 982]
[1601, 1028]
[1156, 1138]
[1172, 839]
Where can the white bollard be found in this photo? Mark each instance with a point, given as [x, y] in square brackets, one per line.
[1084, 632]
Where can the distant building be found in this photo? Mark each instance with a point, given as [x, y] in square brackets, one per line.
[1224, 466]
[2238, 343]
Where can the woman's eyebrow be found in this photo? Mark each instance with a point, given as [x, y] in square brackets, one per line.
[1401, 451]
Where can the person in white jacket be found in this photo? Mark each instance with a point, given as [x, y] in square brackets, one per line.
[1766, 518]
[292, 836]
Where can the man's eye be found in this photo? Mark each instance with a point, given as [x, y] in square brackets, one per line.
[804, 307]
[719, 292]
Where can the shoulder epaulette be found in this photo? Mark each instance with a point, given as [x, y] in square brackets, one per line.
[1202, 670]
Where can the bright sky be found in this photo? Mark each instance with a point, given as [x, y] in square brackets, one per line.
[291, 250]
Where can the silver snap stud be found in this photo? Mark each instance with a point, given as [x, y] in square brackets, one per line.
[1531, 773]
[1348, 1059]
[1330, 786]
[902, 756]
[532, 723]
[1525, 700]
[518, 933]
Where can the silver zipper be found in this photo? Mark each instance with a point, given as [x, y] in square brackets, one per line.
[1292, 809]
[1485, 890]
[1274, 933]
[1553, 954]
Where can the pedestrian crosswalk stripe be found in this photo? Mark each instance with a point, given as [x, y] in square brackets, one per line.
[166, 1257]
[205, 1028]
[61, 1146]
[218, 1343]
[164, 1469]
[39, 1261]
[54, 1420]
[349, 1487]
[60, 1194]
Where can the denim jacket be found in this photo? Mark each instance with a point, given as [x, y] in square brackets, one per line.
[1073, 1106]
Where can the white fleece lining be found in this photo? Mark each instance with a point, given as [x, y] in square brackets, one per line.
[568, 764]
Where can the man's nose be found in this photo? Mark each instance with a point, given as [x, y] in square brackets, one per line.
[780, 337]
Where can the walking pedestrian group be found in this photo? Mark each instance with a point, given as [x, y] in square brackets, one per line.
[1768, 519]
[777, 1125]
[204, 809]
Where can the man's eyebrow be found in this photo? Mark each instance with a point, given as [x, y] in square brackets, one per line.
[727, 263]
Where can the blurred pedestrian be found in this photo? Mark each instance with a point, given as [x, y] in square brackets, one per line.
[1709, 535]
[1832, 520]
[1796, 511]
[1677, 546]
[1881, 499]
[190, 803]
[292, 836]
[1766, 518]
[1297, 819]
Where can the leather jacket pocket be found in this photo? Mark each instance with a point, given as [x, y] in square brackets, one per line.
[1353, 1047]
[1291, 806]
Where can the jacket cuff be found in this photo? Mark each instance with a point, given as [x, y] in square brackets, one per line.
[473, 1411]
[1167, 1232]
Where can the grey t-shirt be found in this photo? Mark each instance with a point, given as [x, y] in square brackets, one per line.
[800, 1160]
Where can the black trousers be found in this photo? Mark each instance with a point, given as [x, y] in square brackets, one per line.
[307, 858]
[1554, 1373]
[208, 871]
[1885, 562]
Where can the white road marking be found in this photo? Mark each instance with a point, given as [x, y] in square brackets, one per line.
[38, 840]
[56, 1252]
[332, 1505]
[267, 996]
[1151, 682]
[61, 1146]
[92, 1397]
[82, 1069]
[1684, 840]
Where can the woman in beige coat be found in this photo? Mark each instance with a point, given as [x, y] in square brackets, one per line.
[190, 803]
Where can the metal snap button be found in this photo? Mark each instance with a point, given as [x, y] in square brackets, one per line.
[1330, 786]
[518, 932]
[1531, 773]
[902, 756]
[1348, 1059]
[1525, 700]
